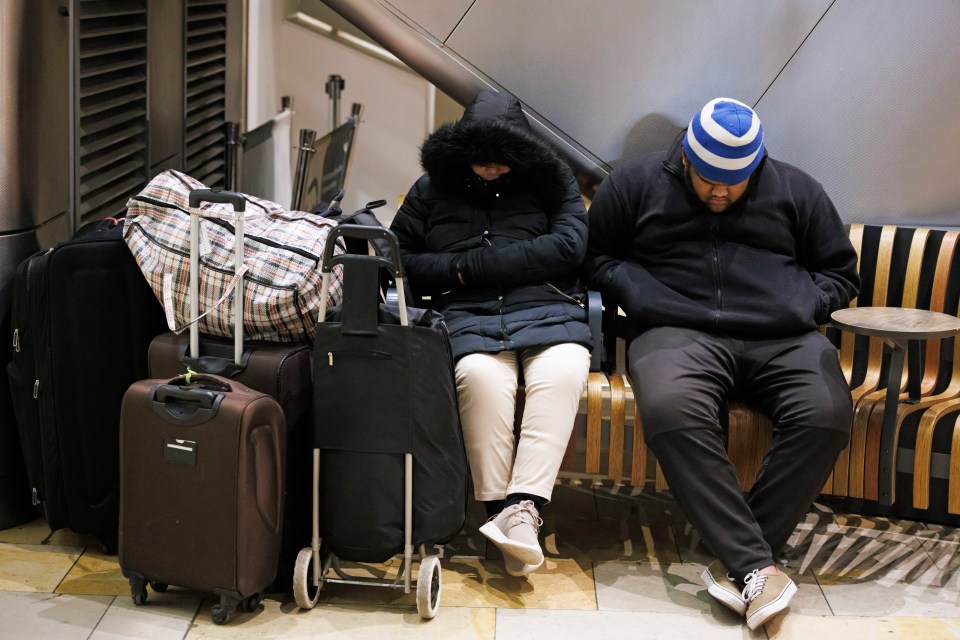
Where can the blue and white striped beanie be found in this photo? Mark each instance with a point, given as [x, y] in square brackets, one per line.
[724, 141]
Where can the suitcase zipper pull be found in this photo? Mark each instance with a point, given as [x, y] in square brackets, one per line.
[330, 358]
[36, 388]
[16, 340]
[35, 500]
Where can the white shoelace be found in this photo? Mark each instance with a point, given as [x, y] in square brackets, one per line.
[525, 515]
[753, 585]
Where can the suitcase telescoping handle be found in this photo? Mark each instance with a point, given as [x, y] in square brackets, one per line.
[364, 232]
[198, 196]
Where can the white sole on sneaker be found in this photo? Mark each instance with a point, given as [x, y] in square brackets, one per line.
[724, 597]
[522, 552]
[760, 616]
[517, 568]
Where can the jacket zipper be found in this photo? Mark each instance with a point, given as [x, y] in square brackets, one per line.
[229, 227]
[714, 226]
[572, 299]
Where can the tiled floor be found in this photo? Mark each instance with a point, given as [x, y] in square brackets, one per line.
[619, 566]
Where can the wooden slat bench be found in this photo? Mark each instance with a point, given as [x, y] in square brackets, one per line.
[899, 266]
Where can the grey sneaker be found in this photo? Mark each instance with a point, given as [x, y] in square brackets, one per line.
[766, 596]
[722, 587]
[515, 530]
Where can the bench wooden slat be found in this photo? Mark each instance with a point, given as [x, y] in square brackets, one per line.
[953, 496]
[617, 418]
[638, 467]
[595, 385]
[923, 452]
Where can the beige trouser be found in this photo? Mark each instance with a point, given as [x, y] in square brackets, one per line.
[487, 385]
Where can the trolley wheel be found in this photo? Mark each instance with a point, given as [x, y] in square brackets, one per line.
[220, 614]
[304, 592]
[159, 587]
[428, 587]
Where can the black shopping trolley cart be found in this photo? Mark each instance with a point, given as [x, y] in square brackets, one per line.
[389, 468]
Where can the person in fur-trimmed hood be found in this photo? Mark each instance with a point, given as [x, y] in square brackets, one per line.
[494, 233]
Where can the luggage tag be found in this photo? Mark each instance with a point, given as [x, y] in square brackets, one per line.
[206, 247]
[180, 451]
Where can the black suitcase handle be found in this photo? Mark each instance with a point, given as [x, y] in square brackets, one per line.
[362, 232]
[190, 405]
[218, 195]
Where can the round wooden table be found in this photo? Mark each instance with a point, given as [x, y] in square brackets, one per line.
[902, 330]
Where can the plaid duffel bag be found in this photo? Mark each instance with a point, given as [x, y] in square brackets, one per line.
[281, 264]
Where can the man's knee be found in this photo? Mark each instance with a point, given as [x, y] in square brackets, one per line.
[831, 409]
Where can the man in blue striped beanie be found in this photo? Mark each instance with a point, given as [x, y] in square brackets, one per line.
[726, 262]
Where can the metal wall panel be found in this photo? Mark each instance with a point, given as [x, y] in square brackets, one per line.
[869, 107]
[437, 17]
[622, 76]
[860, 93]
[34, 113]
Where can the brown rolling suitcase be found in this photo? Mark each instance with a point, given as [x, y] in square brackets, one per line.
[201, 490]
[283, 371]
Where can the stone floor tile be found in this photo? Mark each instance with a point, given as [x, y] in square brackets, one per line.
[616, 625]
[34, 567]
[50, 616]
[95, 573]
[794, 626]
[162, 617]
[285, 621]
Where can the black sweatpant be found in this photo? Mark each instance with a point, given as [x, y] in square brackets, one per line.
[683, 378]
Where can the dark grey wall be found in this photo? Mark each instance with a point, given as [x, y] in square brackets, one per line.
[857, 92]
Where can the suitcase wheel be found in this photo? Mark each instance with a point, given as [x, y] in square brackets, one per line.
[428, 587]
[138, 590]
[159, 587]
[250, 603]
[220, 614]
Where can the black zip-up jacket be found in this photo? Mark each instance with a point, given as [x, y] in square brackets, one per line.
[778, 262]
[499, 259]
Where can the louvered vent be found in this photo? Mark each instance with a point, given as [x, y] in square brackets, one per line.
[112, 107]
[206, 56]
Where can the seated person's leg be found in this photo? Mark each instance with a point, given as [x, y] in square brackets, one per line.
[555, 378]
[681, 378]
[487, 392]
[799, 384]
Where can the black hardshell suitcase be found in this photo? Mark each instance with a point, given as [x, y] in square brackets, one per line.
[83, 317]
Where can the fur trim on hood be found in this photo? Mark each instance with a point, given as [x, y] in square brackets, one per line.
[494, 130]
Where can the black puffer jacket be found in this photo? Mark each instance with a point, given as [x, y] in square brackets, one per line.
[777, 263]
[517, 241]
